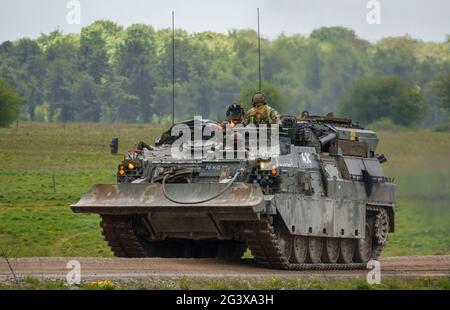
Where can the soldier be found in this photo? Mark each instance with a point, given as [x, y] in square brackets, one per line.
[261, 113]
[235, 114]
[304, 115]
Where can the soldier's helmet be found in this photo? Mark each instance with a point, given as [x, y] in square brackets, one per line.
[258, 98]
[235, 112]
[304, 115]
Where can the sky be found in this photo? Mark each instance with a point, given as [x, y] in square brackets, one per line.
[428, 20]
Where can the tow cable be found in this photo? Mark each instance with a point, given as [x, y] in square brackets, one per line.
[200, 201]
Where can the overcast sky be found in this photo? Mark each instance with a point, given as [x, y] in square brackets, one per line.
[424, 19]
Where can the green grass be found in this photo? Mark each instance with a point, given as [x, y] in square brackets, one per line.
[420, 162]
[239, 284]
[35, 220]
[50, 231]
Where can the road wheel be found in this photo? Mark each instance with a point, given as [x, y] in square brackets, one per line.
[331, 250]
[300, 249]
[315, 249]
[363, 249]
[285, 243]
[347, 249]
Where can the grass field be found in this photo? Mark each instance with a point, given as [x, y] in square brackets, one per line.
[238, 284]
[35, 219]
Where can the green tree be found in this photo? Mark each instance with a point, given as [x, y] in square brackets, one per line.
[333, 34]
[442, 87]
[60, 83]
[313, 79]
[245, 47]
[136, 60]
[395, 56]
[367, 100]
[87, 106]
[34, 95]
[62, 56]
[111, 73]
[118, 104]
[45, 40]
[95, 43]
[9, 104]
[32, 67]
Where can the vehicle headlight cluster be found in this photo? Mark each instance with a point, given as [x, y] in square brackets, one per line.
[127, 166]
[266, 165]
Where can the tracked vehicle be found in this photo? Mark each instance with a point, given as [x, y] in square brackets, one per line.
[322, 202]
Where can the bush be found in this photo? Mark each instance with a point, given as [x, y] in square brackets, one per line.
[9, 104]
[442, 87]
[385, 124]
[368, 100]
[442, 128]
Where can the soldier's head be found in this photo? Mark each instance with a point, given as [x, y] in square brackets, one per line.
[304, 115]
[235, 113]
[259, 99]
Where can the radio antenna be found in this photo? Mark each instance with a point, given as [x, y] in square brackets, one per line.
[173, 67]
[259, 51]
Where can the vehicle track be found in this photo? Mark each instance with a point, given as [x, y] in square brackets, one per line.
[120, 233]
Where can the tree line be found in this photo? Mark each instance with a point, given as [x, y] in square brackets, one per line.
[109, 73]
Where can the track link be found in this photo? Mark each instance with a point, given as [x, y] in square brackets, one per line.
[259, 236]
[261, 239]
[118, 232]
[380, 218]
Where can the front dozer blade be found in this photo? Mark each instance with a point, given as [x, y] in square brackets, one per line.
[148, 198]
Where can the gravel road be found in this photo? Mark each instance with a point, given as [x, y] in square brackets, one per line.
[163, 268]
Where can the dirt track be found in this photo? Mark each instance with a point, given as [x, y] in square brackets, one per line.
[116, 268]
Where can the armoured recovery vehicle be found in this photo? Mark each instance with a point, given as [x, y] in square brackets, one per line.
[321, 202]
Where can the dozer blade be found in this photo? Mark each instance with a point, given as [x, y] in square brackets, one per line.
[145, 198]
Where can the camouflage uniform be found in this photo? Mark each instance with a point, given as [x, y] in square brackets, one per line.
[263, 114]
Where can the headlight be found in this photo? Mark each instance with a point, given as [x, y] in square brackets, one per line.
[127, 166]
[267, 165]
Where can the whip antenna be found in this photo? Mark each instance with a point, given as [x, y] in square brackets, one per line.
[259, 52]
[173, 67]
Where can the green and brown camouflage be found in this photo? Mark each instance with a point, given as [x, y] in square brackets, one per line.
[268, 115]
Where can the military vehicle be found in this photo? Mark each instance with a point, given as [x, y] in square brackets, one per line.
[323, 202]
